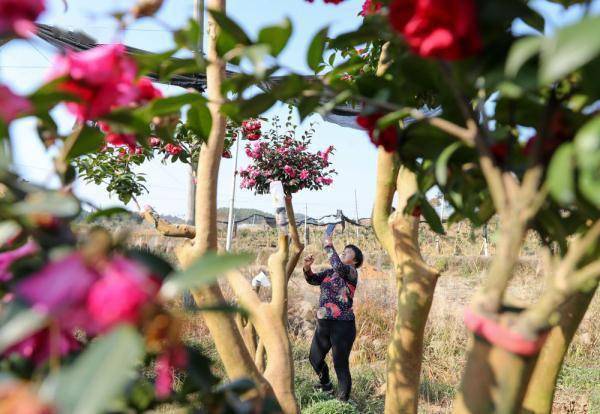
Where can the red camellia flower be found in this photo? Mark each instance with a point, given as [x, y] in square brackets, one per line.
[147, 92]
[101, 78]
[12, 105]
[370, 7]
[173, 149]
[227, 154]
[18, 16]
[387, 138]
[117, 139]
[444, 29]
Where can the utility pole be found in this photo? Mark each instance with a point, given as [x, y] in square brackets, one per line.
[306, 224]
[356, 209]
[191, 205]
[233, 187]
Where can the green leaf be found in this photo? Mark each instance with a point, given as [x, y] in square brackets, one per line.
[100, 374]
[173, 104]
[316, 49]
[589, 185]
[109, 212]
[587, 145]
[256, 105]
[276, 37]
[199, 120]
[18, 322]
[569, 49]
[520, 52]
[89, 140]
[54, 203]
[431, 216]
[172, 67]
[441, 164]
[561, 175]
[393, 118]
[204, 271]
[230, 27]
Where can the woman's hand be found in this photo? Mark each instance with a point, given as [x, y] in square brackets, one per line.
[308, 261]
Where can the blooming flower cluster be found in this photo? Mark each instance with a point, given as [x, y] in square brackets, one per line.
[433, 28]
[252, 129]
[287, 159]
[92, 295]
[438, 28]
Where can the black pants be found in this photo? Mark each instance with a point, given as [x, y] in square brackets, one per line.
[339, 337]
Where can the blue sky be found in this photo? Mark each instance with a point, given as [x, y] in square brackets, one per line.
[23, 65]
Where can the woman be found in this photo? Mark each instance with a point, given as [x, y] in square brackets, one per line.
[336, 329]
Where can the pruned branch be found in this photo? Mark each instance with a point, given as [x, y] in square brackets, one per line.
[569, 278]
[165, 228]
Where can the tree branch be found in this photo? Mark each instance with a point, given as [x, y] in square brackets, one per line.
[165, 228]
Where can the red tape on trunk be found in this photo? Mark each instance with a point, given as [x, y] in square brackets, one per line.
[501, 336]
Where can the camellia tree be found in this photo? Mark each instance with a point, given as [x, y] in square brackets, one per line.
[115, 165]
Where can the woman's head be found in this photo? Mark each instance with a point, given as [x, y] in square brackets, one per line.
[352, 256]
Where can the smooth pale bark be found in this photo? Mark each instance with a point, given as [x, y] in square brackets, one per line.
[415, 283]
[540, 392]
[494, 380]
[270, 322]
[237, 361]
[168, 229]
[296, 247]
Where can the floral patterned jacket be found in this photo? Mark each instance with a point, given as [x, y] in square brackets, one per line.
[337, 288]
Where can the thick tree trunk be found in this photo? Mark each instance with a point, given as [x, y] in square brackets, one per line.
[415, 285]
[270, 322]
[236, 359]
[540, 391]
[494, 380]
[415, 281]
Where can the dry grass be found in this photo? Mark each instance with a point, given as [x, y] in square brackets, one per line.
[457, 256]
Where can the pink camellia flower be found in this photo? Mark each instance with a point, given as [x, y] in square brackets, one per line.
[327, 181]
[164, 369]
[118, 297]
[304, 175]
[155, 142]
[289, 171]
[11, 105]
[9, 257]
[173, 149]
[18, 16]
[100, 78]
[38, 347]
[60, 290]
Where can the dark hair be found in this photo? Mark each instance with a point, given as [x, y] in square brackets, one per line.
[358, 255]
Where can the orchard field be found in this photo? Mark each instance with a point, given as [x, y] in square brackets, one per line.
[460, 258]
